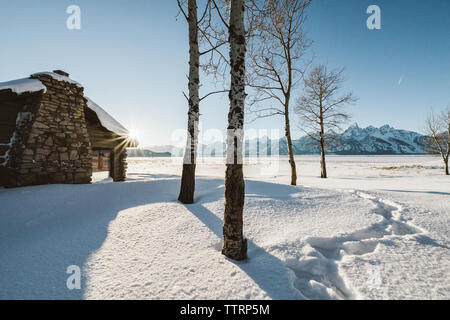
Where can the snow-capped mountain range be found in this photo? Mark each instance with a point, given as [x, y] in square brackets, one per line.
[369, 140]
[353, 141]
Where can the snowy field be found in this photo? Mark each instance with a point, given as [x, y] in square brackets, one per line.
[378, 228]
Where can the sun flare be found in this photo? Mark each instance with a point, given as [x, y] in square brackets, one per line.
[133, 134]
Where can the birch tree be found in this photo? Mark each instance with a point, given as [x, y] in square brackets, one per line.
[199, 29]
[438, 132]
[321, 110]
[189, 162]
[277, 61]
[234, 244]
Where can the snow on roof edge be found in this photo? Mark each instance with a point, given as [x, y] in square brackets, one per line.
[58, 77]
[23, 85]
[106, 119]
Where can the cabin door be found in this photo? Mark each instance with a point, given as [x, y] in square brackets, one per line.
[101, 160]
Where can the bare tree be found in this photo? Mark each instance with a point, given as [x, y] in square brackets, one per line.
[199, 30]
[189, 162]
[438, 132]
[321, 110]
[277, 52]
[234, 244]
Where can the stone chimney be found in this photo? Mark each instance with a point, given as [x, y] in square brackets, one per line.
[58, 142]
[62, 73]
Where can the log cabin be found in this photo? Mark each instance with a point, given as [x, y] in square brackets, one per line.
[51, 133]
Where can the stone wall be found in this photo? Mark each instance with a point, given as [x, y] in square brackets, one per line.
[57, 147]
[120, 170]
[16, 115]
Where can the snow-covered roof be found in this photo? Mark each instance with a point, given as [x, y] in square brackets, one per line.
[58, 77]
[106, 119]
[20, 86]
[34, 85]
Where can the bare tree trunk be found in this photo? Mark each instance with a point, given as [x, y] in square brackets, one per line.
[188, 176]
[448, 143]
[287, 128]
[323, 167]
[234, 244]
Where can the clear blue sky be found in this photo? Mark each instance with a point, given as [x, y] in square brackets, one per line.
[131, 57]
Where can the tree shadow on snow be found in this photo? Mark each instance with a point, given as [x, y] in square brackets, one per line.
[46, 229]
[266, 270]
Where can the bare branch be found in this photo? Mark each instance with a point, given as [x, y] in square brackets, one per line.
[213, 92]
[220, 15]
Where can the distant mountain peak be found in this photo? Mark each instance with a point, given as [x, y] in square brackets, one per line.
[354, 126]
[386, 127]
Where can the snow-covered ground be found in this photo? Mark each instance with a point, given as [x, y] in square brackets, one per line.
[378, 228]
